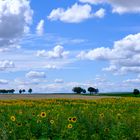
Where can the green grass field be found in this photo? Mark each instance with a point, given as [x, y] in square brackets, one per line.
[118, 94]
[65, 119]
[127, 94]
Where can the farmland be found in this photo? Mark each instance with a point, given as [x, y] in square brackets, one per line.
[71, 119]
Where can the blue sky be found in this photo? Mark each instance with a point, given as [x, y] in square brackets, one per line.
[52, 46]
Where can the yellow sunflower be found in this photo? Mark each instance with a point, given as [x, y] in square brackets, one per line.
[69, 126]
[43, 114]
[13, 118]
[70, 119]
[106, 130]
[119, 116]
[19, 124]
[33, 113]
[52, 121]
[10, 131]
[74, 119]
[38, 121]
[101, 115]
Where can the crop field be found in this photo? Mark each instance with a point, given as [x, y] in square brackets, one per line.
[70, 119]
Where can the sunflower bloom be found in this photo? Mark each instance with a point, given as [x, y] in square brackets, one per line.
[38, 121]
[74, 119]
[33, 113]
[106, 130]
[69, 126]
[119, 116]
[70, 119]
[52, 121]
[101, 115]
[43, 114]
[13, 118]
[19, 124]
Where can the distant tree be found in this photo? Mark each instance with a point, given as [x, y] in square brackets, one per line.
[91, 90]
[7, 90]
[136, 92]
[30, 90]
[23, 90]
[96, 90]
[20, 91]
[12, 90]
[84, 91]
[77, 90]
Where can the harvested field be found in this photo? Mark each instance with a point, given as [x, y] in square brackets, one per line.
[47, 96]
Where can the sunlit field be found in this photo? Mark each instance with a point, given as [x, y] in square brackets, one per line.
[65, 119]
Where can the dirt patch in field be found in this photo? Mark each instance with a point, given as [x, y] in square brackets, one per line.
[48, 96]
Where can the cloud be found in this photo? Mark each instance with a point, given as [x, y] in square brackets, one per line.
[100, 13]
[51, 66]
[3, 82]
[35, 75]
[75, 14]
[119, 6]
[98, 53]
[26, 60]
[134, 81]
[40, 28]
[6, 65]
[59, 81]
[123, 57]
[57, 53]
[15, 18]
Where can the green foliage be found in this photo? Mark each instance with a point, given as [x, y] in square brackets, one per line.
[20, 91]
[84, 91]
[63, 119]
[91, 90]
[136, 92]
[30, 90]
[77, 90]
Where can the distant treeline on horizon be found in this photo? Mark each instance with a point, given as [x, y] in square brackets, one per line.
[7, 91]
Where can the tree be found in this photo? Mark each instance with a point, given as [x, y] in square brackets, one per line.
[84, 91]
[136, 92]
[91, 90]
[7, 91]
[96, 90]
[23, 90]
[77, 90]
[12, 90]
[20, 91]
[30, 90]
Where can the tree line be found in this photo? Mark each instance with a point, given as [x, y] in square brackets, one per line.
[80, 90]
[136, 92]
[11, 91]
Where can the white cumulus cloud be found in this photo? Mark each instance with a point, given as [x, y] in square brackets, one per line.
[57, 53]
[100, 13]
[6, 65]
[123, 57]
[35, 75]
[75, 14]
[119, 6]
[3, 81]
[15, 18]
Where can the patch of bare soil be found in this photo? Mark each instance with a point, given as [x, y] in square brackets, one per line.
[48, 96]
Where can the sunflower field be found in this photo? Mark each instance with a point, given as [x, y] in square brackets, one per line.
[67, 119]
